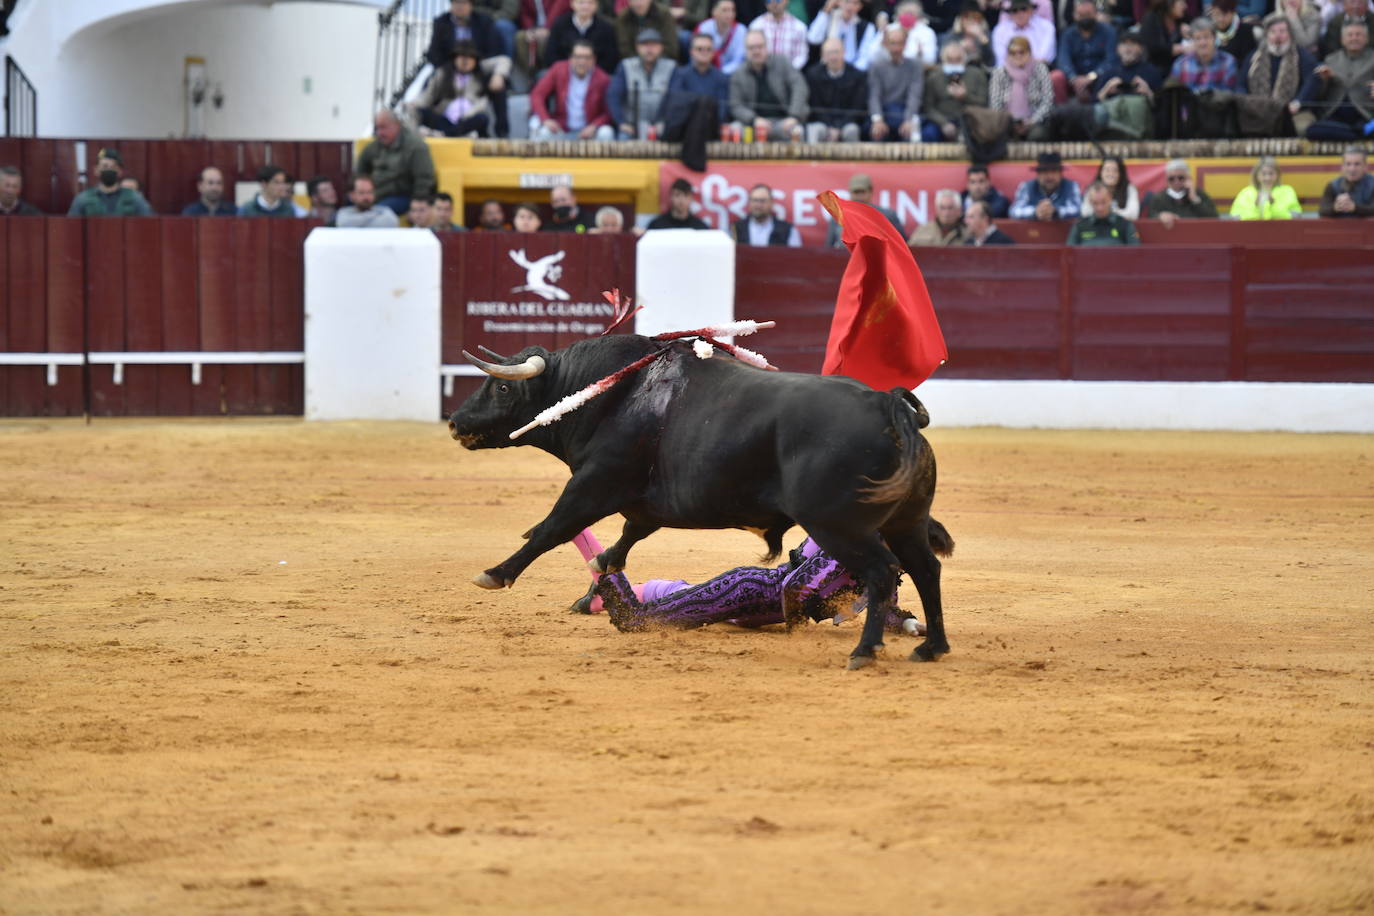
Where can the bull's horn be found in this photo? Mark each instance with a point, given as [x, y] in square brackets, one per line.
[528, 369]
[492, 353]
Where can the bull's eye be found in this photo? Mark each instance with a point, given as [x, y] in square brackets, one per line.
[503, 388]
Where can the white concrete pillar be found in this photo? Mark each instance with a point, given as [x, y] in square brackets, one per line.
[685, 279]
[372, 341]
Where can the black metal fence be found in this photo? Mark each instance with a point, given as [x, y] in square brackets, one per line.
[403, 32]
[21, 102]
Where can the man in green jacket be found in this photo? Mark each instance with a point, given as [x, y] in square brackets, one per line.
[1104, 227]
[107, 198]
[399, 164]
[274, 200]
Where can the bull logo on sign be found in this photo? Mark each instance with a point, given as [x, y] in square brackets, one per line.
[540, 275]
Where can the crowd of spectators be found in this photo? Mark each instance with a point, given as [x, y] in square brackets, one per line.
[388, 191]
[981, 71]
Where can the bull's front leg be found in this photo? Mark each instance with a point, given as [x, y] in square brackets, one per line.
[585, 500]
[612, 559]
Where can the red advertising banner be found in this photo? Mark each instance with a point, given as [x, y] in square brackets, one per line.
[907, 188]
[546, 288]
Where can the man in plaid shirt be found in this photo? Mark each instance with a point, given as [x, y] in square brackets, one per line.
[786, 34]
[1205, 67]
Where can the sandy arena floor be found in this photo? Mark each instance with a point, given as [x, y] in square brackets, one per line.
[242, 670]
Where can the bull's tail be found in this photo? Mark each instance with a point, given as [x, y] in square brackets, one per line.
[940, 540]
[906, 418]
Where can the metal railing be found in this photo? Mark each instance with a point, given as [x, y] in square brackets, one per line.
[21, 102]
[403, 32]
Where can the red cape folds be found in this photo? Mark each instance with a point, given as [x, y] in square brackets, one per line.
[884, 332]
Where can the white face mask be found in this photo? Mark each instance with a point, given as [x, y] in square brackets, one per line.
[1177, 195]
[953, 68]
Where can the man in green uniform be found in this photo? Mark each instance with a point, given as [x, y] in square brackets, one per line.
[1104, 227]
[107, 198]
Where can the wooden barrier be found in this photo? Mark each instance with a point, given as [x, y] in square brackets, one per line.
[1286, 233]
[1167, 313]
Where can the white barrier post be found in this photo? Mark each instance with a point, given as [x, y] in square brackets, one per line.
[372, 342]
[685, 279]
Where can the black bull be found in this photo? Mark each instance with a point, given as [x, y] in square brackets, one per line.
[716, 443]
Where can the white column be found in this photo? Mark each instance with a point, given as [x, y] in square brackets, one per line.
[372, 325]
[685, 279]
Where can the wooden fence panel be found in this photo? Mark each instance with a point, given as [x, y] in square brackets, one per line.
[27, 326]
[105, 292]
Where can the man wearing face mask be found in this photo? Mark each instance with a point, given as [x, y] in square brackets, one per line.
[567, 215]
[1085, 49]
[951, 87]
[1181, 198]
[108, 198]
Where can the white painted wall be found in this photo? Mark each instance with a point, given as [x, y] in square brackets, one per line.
[121, 74]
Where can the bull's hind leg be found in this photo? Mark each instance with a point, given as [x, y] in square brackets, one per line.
[867, 558]
[913, 549]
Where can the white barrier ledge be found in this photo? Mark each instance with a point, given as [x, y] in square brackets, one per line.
[448, 371]
[1308, 407]
[51, 360]
[193, 358]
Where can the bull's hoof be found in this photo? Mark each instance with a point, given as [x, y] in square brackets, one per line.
[487, 580]
[596, 565]
[928, 652]
[859, 661]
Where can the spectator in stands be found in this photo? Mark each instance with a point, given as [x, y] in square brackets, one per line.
[421, 213]
[582, 22]
[639, 15]
[784, 33]
[690, 85]
[1352, 193]
[1180, 198]
[463, 23]
[1131, 74]
[679, 212]
[274, 197]
[971, 30]
[609, 221]
[950, 88]
[578, 91]
[211, 202]
[1347, 96]
[364, 212]
[324, 199]
[11, 186]
[1351, 11]
[443, 214]
[947, 228]
[532, 36]
[1021, 87]
[493, 41]
[727, 34]
[1021, 22]
[861, 191]
[980, 230]
[456, 101]
[840, 19]
[762, 228]
[503, 15]
[1265, 197]
[398, 162]
[837, 96]
[1304, 21]
[639, 87]
[567, 215]
[895, 89]
[922, 45]
[1281, 71]
[1233, 36]
[1102, 226]
[1162, 30]
[527, 218]
[979, 187]
[768, 92]
[107, 198]
[492, 217]
[1085, 49]
[1047, 196]
[1111, 174]
[1204, 67]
